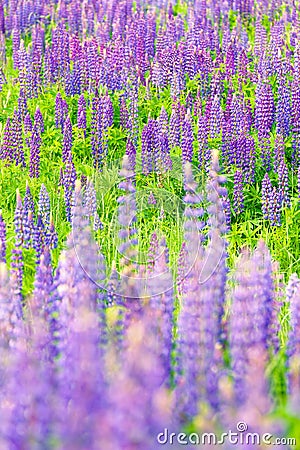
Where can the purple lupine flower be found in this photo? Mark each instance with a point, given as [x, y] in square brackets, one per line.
[61, 177]
[38, 238]
[276, 308]
[81, 362]
[16, 40]
[97, 224]
[181, 268]
[81, 113]
[216, 249]
[264, 108]
[204, 156]
[113, 298]
[11, 337]
[187, 139]
[151, 199]
[75, 80]
[298, 182]
[127, 212]
[295, 106]
[112, 287]
[106, 119]
[152, 252]
[123, 113]
[230, 60]
[278, 155]
[163, 159]
[264, 117]
[146, 384]
[160, 290]
[238, 195]
[243, 62]
[8, 141]
[245, 146]
[69, 179]
[38, 374]
[283, 109]
[2, 79]
[44, 206]
[192, 209]
[189, 360]
[43, 284]
[22, 105]
[296, 149]
[90, 198]
[28, 227]
[215, 118]
[64, 113]
[28, 217]
[265, 152]
[67, 140]
[108, 111]
[83, 180]
[80, 240]
[58, 111]
[2, 239]
[237, 114]
[96, 132]
[198, 357]
[17, 262]
[23, 407]
[39, 121]
[250, 322]
[28, 126]
[217, 195]
[101, 306]
[296, 122]
[162, 214]
[24, 68]
[133, 123]
[297, 62]
[18, 220]
[267, 194]
[2, 19]
[9, 324]
[150, 151]
[80, 379]
[17, 267]
[271, 205]
[178, 79]
[258, 403]
[18, 140]
[28, 200]
[241, 325]
[283, 184]
[51, 237]
[174, 129]
[35, 144]
[131, 153]
[163, 121]
[189, 101]
[198, 104]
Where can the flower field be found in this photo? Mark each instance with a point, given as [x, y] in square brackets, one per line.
[149, 224]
